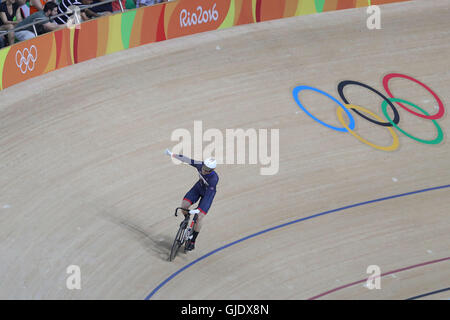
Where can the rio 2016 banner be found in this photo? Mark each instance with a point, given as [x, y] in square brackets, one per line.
[141, 26]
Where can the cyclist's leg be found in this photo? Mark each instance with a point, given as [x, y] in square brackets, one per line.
[203, 206]
[198, 226]
[190, 198]
[199, 223]
[185, 204]
[196, 231]
[204, 203]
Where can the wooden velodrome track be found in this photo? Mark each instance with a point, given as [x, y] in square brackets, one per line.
[84, 180]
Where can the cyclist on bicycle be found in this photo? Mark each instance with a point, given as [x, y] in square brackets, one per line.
[204, 189]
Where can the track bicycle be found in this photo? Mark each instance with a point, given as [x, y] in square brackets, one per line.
[184, 234]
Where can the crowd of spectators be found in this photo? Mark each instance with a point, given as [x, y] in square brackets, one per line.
[51, 15]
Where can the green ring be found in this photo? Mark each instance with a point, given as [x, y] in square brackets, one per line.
[434, 141]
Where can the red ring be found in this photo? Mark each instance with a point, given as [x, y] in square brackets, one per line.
[399, 75]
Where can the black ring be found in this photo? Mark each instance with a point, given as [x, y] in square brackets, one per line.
[344, 83]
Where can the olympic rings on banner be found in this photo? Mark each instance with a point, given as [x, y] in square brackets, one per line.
[437, 140]
[390, 124]
[300, 88]
[343, 84]
[398, 75]
[395, 142]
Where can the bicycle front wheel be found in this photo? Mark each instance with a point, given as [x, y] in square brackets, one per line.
[177, 243]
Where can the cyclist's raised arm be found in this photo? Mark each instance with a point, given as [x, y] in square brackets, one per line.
[182, 158]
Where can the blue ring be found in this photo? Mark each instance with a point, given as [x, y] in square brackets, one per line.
[296, 91]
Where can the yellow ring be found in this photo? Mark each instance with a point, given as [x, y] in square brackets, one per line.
[392, 147]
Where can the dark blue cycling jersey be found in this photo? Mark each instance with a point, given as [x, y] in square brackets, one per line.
[205, 188]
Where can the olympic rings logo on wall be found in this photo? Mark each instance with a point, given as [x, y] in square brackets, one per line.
[372, 117]
[26, 60]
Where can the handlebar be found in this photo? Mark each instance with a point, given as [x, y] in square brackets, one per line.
[190, 211]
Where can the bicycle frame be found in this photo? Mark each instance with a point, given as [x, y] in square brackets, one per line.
[187, 234]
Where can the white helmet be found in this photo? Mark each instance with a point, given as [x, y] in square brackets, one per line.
[210, 163]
